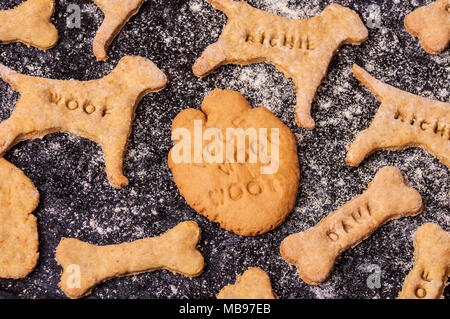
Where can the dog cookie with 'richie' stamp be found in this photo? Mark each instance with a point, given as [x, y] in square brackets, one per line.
[100, 110]
[254, 283]
[29, 23]
[117, 13]
[431, 270]
[85, 265]
[314, 251]
[431, 24]
[403, 120]
[301, 49]
[18, 227]
[235, 164]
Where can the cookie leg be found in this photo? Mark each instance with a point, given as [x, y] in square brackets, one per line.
[365, 144]
[214, 56]
[8, 135]
[114, 151]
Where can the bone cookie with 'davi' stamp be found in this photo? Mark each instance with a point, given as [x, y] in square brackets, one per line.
[301, 49]
[431, 270]
[403, 120]
[85, 265]
[431, 24]
[29, 23]
[18, 226]
[100, 110]
[254, 283]
[314, 251]
[117, 13]
[235, 164]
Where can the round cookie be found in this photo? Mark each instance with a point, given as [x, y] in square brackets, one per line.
[18, 227]
[244, 196]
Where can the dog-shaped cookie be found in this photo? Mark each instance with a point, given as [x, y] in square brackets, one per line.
[301, 49]
[100, 110]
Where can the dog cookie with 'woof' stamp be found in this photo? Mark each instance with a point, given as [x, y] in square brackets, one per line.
[117, 13]
[18, 227]
[431, 270]
[254, 283]
[235, 164]
[301, 49]
[403, 120]
[100, 110]
[431, 24]
[85, 265]
[29, 23]
[314, 251]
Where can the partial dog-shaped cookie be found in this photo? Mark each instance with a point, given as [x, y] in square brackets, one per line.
[117, 13]
[18, 227]
[431, 24]
[85, 265]
[431, 269]
[248, 189]
[100, 110]
[314, 252]
[301, 49]
[403, 120]
[254, 283]
[29, 23]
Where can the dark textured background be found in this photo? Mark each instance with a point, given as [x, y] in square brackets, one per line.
[77, 201]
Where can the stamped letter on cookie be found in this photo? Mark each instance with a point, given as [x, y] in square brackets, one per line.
[239, 166]
[100, 110]
[18, 227]
[403, 120]
[253, 284]
[431, 24]
[85, 265]
[431, 269]
[117, 13]
[314, 251]
[301, 49]
[30, 24]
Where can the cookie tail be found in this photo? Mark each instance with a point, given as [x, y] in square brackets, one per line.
[226, 6]
[381, 90]
[214, 56]
[11, 77]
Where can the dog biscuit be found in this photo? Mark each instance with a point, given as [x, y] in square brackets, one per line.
[431, 24]
[85, 265]
[238, 194]
[117, 13]
[100, 110]
[301, 49]
[253, 284]
[431, 269]
[403, 120]
[314, 251]
[18, 226]
[29, 23]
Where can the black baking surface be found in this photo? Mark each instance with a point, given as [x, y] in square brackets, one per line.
[77, 200]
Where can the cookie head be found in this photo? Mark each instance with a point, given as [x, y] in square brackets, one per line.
[141, 72]
[235, 164]
[348, 25]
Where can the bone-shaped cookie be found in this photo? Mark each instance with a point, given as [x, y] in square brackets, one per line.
[18, 227]
[403, 120]
[431, 269]
[117, 13]
[301, 49]
[431, 24]
[254, 283]
[85, 265]
[100, 110]
[314, 251]
[30, 24]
